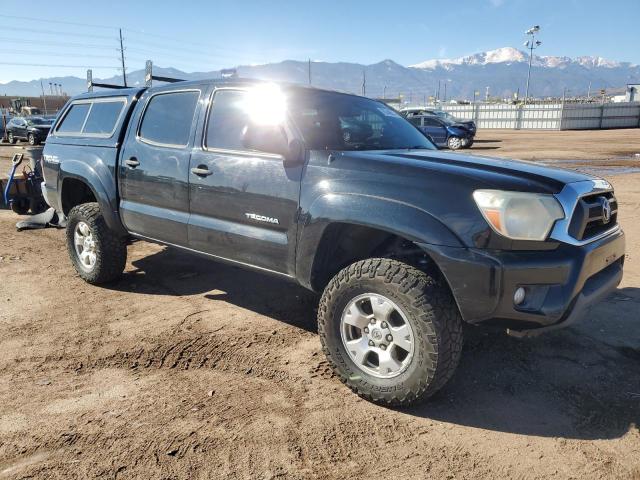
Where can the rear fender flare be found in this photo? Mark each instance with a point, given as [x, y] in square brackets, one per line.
[105, 196]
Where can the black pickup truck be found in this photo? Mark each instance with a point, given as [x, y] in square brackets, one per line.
[344, 196]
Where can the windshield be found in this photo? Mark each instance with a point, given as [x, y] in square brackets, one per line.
[447, 117]
[335, 121]
[38, 121]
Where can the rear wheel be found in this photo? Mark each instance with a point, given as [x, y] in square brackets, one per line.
[454, 143]
[391, 332]
[11, 138]
[97, 253]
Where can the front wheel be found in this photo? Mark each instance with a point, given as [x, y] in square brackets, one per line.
[32, 139]
[391, 332]
[454, 143]
[97, 253]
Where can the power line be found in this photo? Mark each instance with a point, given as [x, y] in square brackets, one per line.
[62, 22]
[59, 44]
[53, 32]
[52, 65]
[54, 54]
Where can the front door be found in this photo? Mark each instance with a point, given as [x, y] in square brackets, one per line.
[154, 166]
[435, 129]
[244, 202]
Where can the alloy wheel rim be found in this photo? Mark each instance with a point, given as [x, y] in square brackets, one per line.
[85, 246]
[377, 335]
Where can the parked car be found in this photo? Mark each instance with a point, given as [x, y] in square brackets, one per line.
[342, 195]
[443, 132]
[468, 124]
[32, 129]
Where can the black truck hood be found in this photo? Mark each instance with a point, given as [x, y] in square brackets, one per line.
[491, 172]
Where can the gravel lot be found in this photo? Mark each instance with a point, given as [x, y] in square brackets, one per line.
[188, 368]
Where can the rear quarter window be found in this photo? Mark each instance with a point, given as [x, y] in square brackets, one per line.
[103, 117]
[168, 117]
[74, 119]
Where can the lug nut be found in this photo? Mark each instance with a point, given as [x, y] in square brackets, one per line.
[366, 329]
[383, 346]
[384, 325]
[371, 344]
[389, 338]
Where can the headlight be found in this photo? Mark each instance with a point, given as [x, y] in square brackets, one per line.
[519, 215]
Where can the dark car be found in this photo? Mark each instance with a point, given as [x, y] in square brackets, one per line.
[468, 124]
[32, 129]
[443, 132]
[341, 195]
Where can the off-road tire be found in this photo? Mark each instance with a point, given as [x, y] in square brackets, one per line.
[20, 206]
[111, 249]
[431, 311]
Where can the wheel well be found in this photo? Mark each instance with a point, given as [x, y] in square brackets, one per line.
[343, 244]
[75, 192]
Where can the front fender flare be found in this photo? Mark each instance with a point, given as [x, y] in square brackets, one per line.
[395, 217]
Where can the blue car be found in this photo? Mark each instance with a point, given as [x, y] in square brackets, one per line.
[443, 132]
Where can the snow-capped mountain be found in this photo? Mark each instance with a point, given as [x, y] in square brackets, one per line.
[503, 71]
[510, 55]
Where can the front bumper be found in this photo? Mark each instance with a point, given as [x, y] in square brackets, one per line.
[561, 284]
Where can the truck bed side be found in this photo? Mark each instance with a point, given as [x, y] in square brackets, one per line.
[76, 164]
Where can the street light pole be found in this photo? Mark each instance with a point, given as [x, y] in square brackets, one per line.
[532, 45]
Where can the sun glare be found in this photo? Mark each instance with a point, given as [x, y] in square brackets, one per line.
[266, 104]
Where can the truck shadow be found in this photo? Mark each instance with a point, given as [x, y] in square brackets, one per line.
[582, 382]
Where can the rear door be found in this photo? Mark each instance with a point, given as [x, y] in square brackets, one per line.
[154, 165]
[21, 128]
[244, 203]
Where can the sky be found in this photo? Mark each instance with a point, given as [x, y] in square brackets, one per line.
[201, 35]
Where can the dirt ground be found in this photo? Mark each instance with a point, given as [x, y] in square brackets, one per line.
[187, 368]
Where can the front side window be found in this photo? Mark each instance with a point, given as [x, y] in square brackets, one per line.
[74, 119]
[227, 121]
[103, 117]
[168, 117]
[334, 121]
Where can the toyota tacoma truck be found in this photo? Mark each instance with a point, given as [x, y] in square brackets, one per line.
[342, 195]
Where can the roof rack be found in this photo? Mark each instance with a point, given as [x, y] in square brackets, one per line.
[149, 77]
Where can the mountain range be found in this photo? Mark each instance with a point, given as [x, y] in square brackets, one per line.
[503, 71]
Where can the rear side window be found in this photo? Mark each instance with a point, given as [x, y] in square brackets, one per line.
[103, 117]
[417, 121]
[168, 117]
[74, 119]
[227, 121]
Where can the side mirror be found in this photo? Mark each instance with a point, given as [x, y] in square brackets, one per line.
[273, 139]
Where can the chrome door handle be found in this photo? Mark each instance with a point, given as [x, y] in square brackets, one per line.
[201, 171]
[132, 162]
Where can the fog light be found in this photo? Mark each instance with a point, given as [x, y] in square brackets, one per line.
[518, 297]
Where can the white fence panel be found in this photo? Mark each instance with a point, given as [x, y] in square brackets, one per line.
[549, 116]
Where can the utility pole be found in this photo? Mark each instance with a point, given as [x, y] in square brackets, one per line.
[384, 92]
[532, 45]
[438, 93]
[364, 83]
[589, 91]
[51, 88]
[124, 72]
[445, 92]
[44, 98]
[486, 94]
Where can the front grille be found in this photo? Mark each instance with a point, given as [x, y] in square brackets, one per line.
[589, 217]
